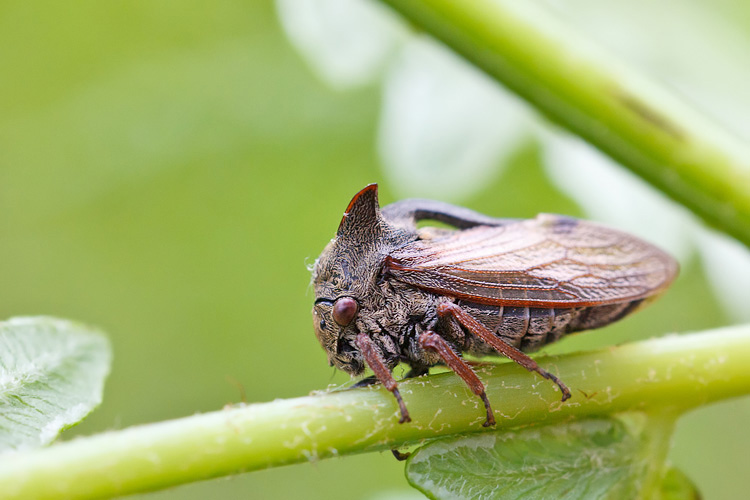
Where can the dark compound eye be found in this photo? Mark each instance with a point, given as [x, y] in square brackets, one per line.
[344, 310]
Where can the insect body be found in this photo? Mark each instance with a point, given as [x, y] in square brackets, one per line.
[388, 292]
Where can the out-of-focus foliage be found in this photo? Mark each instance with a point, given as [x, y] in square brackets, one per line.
[167, 174]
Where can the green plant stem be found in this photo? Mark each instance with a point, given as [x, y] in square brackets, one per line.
[613, 107]
[656, 435]
[670, 374]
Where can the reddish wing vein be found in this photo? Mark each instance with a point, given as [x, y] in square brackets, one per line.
[549, 261]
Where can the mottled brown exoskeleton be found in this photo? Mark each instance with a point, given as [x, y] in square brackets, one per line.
[387, 292]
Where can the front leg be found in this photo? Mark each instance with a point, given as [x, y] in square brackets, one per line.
[372, 379]
[366, 382]
[417, 371]
[375, 361]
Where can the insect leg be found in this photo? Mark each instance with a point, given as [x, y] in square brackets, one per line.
[366, 382]
[433, 341]
[375, 361]
[481, 331]
[399, 455]
[417, 372]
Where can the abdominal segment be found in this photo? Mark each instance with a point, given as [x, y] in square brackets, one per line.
[530, 328]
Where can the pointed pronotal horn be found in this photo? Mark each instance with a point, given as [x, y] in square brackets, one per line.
[363, 211]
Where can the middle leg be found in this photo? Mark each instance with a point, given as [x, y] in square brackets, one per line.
[433, 341]
[481, 331]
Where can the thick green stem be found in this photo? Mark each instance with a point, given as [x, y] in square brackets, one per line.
[613, 107]
[670, 374]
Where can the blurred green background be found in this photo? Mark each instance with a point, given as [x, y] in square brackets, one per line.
[167, 171]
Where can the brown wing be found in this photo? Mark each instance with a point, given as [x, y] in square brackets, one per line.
[549, 261]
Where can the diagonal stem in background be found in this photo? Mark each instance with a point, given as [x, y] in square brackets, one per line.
[616, 109]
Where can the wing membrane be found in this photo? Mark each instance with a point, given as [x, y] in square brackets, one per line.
[549, 261]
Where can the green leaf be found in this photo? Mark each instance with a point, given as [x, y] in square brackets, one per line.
[52, 374]
[601, 458]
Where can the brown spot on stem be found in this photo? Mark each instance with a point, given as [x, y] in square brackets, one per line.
[647, 113]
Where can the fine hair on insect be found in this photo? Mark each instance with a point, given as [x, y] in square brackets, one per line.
[389, 292]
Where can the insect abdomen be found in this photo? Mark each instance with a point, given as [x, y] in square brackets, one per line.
[529, 328]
